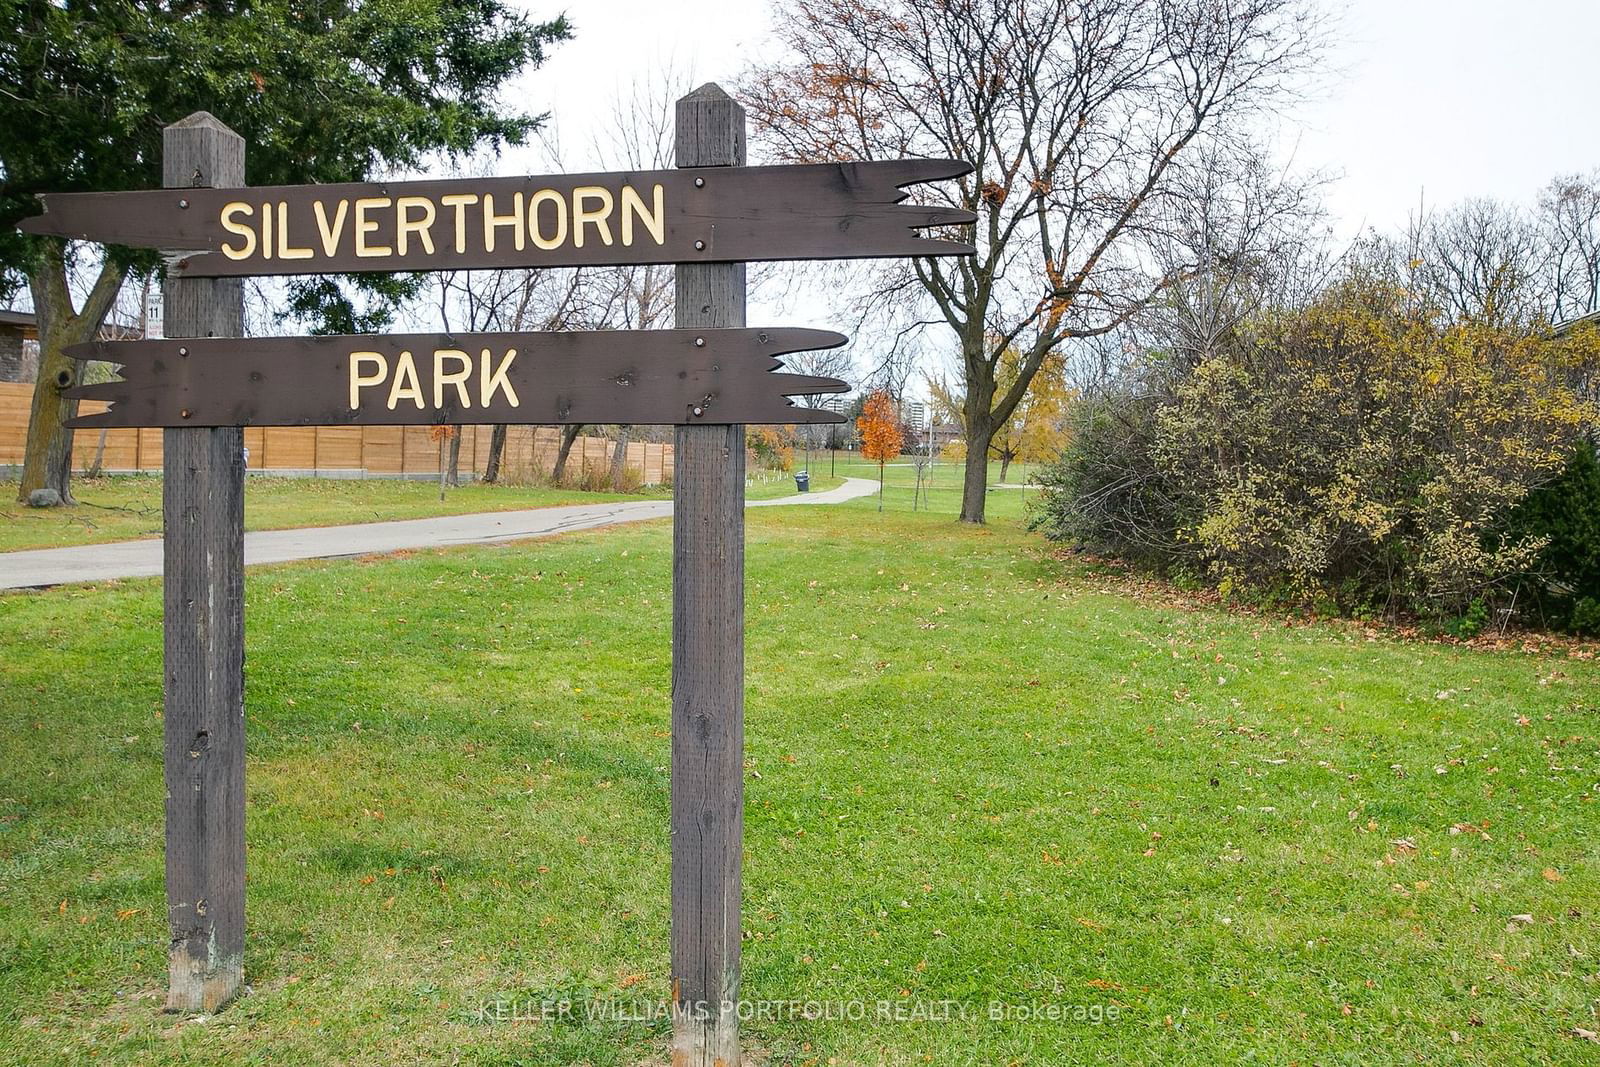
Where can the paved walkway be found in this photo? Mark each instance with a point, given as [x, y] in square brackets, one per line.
[42, 567]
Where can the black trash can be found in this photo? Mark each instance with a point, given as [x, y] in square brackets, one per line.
[802, 481]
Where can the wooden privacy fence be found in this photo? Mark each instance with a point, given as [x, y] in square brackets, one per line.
[378, 450]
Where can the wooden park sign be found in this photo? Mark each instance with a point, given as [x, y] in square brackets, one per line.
[697, 215]
[621, 376]
[708, 376]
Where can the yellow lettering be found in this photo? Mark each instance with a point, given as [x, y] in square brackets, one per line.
[365, 226]
[581, 215]
[458, 378]
[489, 384]
[330, 235]
[632, 205]
[459, 201]
[285, 251]
[359, 381]
[239, 228]
[419, 226]
[539, 239]
[404, 369]
[491, 221]
[266, 231]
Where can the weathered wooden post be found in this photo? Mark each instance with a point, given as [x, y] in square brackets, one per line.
[707, 648]
[203, 511]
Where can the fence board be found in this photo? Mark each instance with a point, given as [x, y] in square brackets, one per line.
[338, 448]
[530, 450]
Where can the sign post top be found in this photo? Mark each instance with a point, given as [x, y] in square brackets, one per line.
[710, 129]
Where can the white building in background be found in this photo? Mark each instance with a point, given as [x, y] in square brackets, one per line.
[915, 415]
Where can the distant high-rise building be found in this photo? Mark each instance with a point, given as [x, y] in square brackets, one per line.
[915, 414]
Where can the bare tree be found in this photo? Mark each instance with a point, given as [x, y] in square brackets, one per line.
[1482, 260]
[478, 301]
[1079, 117]
[547, 300]
[1569, 215]
[513, 300]
[639, 135]
[1241, 236]
[823, 363]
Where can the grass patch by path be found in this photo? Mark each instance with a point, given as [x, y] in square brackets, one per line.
[974, 774]
[772, 484]
[941, 491]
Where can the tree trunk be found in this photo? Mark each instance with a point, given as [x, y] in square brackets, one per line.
[97, 465]
[619, 458]
[455, 457]
[444, 467]
[47, 461]
[979, 421]
[497, 449]
[975, 485]
[880, 485]
[1005, 464]
[569, 434]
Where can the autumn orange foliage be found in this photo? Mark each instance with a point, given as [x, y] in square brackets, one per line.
[880, 433]
[879, 428]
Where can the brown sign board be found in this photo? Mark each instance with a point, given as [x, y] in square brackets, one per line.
[608, 376]
[693, 215]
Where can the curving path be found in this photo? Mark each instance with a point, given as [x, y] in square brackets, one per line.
[43, 567]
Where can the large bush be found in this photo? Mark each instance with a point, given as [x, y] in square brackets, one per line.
[1105, 492]
[1565, 515]
[1361, 452]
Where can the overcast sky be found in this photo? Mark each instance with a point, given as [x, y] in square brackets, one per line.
[1434, 99]
[1447, 98]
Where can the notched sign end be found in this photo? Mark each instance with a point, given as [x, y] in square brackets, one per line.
[884, 182]
[46, 224]
[762, 388]
[113, 392]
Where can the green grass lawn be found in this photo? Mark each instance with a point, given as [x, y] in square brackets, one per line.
[125, 507]
[941, 491]
[975, 773]
[772, 484]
